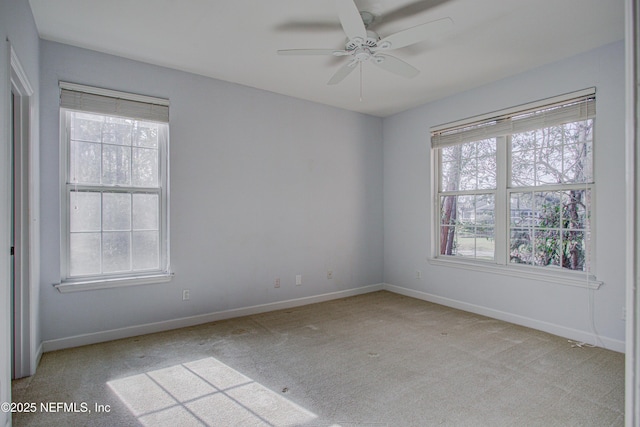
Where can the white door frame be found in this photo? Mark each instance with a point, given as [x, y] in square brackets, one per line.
[632, 246]
[25, 354]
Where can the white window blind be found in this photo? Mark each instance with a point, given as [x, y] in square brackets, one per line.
[554, 113]
[105, 101]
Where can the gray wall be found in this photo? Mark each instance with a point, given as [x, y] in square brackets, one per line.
[17, 26]
[266, 186]
[262, 186]
[407, 203]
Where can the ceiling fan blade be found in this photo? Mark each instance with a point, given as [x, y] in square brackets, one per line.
[334, 52]
[351, 20]
[307, 26]
[395, 65]
[414, 34]
[343, 72]
[411, 9]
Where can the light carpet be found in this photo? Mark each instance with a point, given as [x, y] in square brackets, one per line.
[378, 359]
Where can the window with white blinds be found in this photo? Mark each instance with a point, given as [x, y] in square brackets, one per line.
[115, 187]
[514, 188]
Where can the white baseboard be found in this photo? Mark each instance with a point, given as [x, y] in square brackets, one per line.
[149, 328]
[562, 331]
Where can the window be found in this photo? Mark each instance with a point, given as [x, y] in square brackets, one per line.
[515, 188]
[115, 194]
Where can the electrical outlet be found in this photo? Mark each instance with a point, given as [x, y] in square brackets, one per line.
[329, 274]
[623, 313]
[277, 283]
[298, 279]
[185, 295]
[418, 274]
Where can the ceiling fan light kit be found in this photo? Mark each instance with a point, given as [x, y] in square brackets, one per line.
[364, 45]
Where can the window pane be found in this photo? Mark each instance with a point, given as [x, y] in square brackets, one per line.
[524, 141]
[84, 254]
[573, 250]
[466, 209]
[485, 210]
[465, 242]
[84, 211]
[578, 163]
[521, 246]
[116, 165]
[574, 205]
[550, 228]
[116, 212]
[146, 250]
[450, 154]
[586, 252]
[145, 167]
[448, 210]
[448, 214]
[450, 178]
[145, 211]
[549, 165]
[522, 168]
[522, 210]
[486, 172]
[476, 209]
[86, 127]
[467, 226]
[547, 248]
[476, 243]
[146, 134]
[116, 247]
[117, 131]
[469, 166]
[485, 243]
[554, 155]
[84, 163]
[451, 164]
[577, 150]
[548, 209]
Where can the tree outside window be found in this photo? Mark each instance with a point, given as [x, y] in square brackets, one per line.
[533, 206]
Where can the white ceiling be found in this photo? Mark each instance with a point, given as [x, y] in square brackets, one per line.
[237, 41]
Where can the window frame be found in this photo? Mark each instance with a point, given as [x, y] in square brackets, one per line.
[130, 278]
[500, 264]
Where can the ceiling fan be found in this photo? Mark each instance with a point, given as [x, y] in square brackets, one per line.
[365, 45]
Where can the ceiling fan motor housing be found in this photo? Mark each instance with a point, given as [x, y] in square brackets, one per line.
[369, 42]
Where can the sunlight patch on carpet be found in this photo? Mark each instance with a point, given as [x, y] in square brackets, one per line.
[205, 392]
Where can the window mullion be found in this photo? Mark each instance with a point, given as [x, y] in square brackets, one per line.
[130, 231]
[101, 231]
[66, 239]
[436, 188]
[502, 201]
[467, 192]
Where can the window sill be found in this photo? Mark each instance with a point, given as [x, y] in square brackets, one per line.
[581, 280]
[90, 285]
